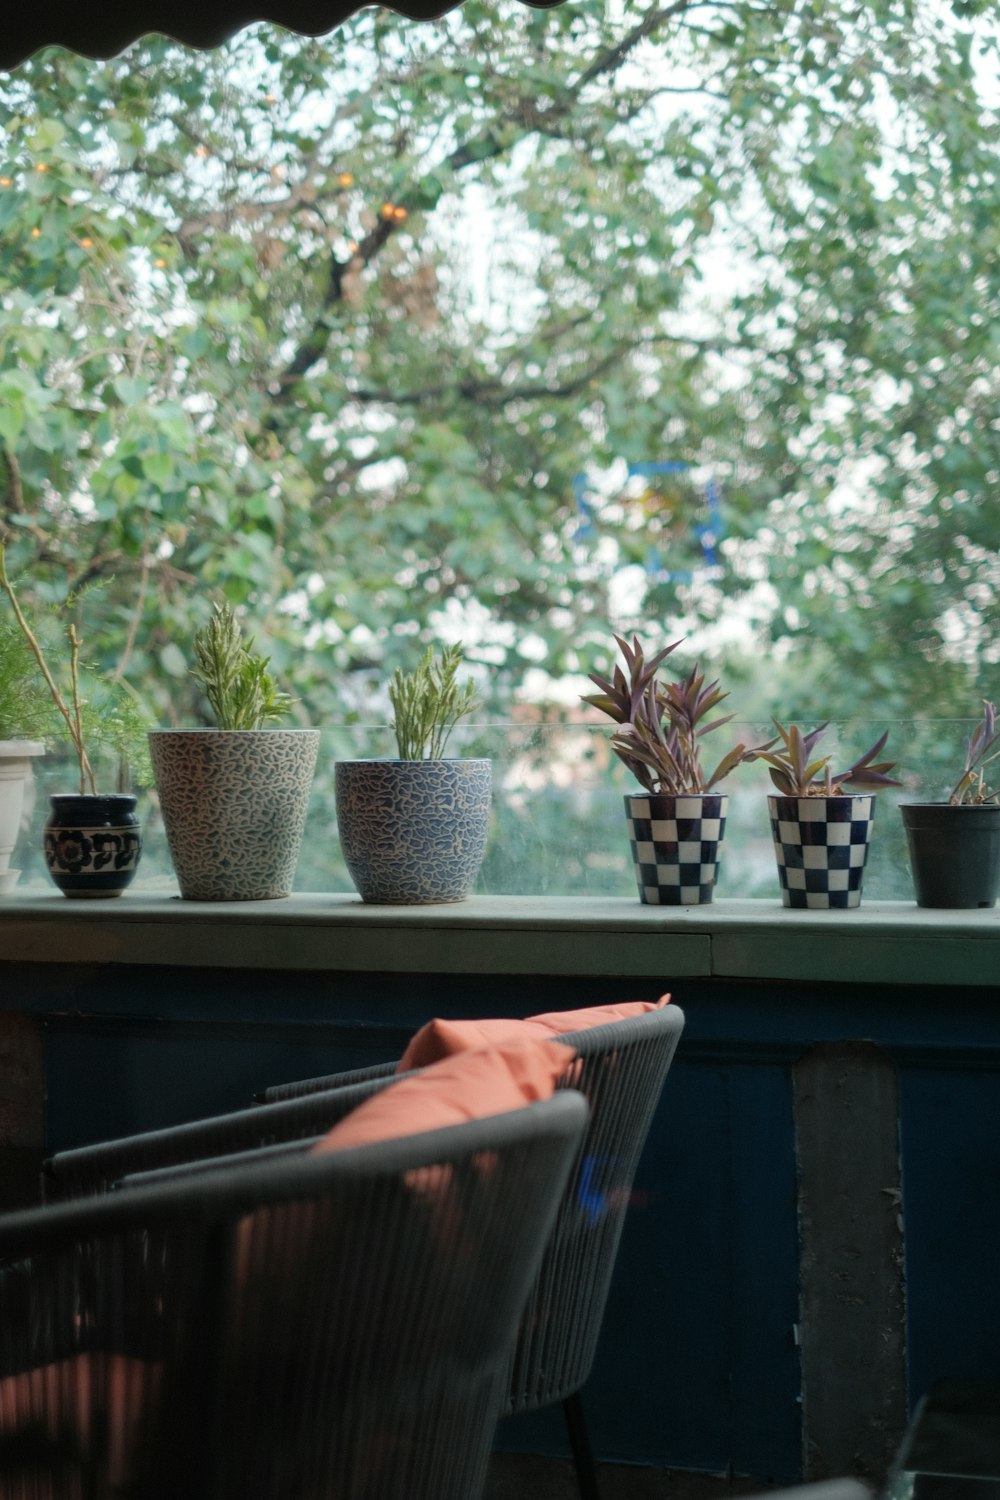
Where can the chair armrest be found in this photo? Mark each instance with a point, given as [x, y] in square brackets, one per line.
[190, 1169]
[93, 1169]
[322, 1084]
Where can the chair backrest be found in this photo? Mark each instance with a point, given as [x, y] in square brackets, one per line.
[87, 1170]
[332, 1325]
[620, 1069]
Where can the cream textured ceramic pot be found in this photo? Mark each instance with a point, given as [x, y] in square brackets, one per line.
[234, 806]
[15, 773]
[413, 832]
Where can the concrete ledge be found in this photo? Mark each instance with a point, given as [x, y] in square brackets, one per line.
[879, 943]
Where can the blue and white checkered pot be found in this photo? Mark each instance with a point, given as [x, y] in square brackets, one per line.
[675, 845]
[821, 845]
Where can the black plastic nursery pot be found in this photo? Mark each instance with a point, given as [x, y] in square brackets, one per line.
[954, 853]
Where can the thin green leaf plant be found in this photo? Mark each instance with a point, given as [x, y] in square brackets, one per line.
[237, 679]
[96, 711]
[428, 702]
[25, 714]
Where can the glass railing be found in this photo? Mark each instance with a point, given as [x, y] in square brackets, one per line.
[558, 821]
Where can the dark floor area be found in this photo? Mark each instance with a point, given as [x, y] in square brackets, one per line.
[517, 1476]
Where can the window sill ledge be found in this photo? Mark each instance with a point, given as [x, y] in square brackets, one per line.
[878, 943]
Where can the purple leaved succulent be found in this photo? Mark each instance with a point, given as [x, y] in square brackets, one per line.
[661, 723]
[796, 772]
[971, 786]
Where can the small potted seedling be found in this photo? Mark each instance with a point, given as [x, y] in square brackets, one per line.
[677, 822]
[234, 798]
[413, 830]
[954, 845]
[92, 839]
[821, 832]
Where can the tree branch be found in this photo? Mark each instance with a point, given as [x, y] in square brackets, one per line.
[494, 141]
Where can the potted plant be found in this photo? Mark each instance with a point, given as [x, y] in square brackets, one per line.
[93, 841]
[413, 830]
[234, 798]
[25, 722]
[677, 823]
[821, 833]
[954, 846]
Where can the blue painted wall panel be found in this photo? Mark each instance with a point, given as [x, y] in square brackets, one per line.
[950, 1132]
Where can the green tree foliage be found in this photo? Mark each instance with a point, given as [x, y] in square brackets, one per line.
[329, 328]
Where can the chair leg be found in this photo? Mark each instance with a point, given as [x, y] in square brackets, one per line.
[583, 1458]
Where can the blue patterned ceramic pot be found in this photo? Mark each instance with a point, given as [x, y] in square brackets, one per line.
[675, 844]
[234, 806]
[413, 832]
[92, 843]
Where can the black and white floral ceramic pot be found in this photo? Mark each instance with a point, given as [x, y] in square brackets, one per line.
[821, 845]
[92, 843]
[234, 806]
[413, 832]
[675, 845]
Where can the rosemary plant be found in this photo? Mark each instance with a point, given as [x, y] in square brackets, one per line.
[428, 703]
[236, 679]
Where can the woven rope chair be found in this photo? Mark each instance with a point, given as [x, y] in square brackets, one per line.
[620, 1067]
[306, 1327]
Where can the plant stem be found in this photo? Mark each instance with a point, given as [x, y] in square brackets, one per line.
[74, 671]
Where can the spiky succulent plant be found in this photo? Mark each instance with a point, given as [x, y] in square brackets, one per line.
[662, 723]
[796, 772]
[971, 786]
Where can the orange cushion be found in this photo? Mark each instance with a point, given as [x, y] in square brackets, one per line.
[470, 1085]
[441, 1038]
[101, 1397]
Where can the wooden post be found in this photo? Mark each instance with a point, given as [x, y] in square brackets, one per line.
[851, 1328]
